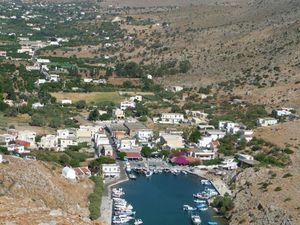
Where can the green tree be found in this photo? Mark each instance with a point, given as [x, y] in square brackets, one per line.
[37, 120]
[122, 155]
[94, 115]
[147, 151]
[184, 66]
[81, 104]
[64, 159]
[195, 136]
[4, 150]
[95, 165]
[223, 203]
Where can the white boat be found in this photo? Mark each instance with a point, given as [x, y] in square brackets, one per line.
[188, 208]
[196, 219]
[199, 201]
[148, 173]
[184, 172]
[205, 182]
[131, 176]
[138, 222]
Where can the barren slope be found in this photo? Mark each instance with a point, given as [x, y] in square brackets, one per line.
[33, 192]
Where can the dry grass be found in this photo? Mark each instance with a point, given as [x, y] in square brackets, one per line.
[92, 97]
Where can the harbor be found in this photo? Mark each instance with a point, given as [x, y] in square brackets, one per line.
[167, 198]
[200, 185]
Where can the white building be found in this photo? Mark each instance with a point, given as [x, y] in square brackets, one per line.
[127, 104]
[43, 61]
[40, 81]
[53, 78]
[3, 53]
[138, 98]
[171, 141]
[17, 148]
[119, 114]
[110, 170]
[37, 105]
[204, 154]
[229, 164]
[247, 135]
[6, 139]
[49, 142]
[28, 136]
[127, 144]
[282, 112]
[176, 88]
[205, 142]
[245, 157]
[87, 80]
[267, 121]
[69, 173]
[64, 143]
[171, 118]
[66, 102]
[144, 135]
[84, 134]
[215, 134]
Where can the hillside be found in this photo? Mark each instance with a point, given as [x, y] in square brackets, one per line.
[270, 195]
[34, 192]
[252, 45]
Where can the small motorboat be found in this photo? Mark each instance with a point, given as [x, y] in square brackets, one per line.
[205, 182]
[138, 222]
[188, 208]
[212, 223]
[196, 219]
[148, 173]
[199, 201]
[131, 176]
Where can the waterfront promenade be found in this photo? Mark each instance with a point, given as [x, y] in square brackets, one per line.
[107, 203]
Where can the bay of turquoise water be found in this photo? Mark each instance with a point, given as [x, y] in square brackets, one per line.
[158, 200]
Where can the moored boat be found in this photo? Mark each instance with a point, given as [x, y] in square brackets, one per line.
[196, 220]
[131, 176]
[188, 208]
[138, 222]
[148, 173]
[212, 223]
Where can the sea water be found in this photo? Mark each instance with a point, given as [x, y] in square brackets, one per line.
[158, 199]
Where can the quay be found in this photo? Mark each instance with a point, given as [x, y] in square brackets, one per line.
[107, 202]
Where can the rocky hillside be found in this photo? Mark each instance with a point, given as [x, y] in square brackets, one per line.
[34, 192]
[271, 195]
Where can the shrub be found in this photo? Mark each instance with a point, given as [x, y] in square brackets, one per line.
[278, 189]
[95, 198]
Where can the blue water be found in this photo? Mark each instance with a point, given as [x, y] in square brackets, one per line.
[158, 200]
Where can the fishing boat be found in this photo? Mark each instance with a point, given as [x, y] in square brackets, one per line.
[212, 223]
[188, 208]
[175, 172]
[184, 172]
[205, 182]
[148, 173]
[199, 201]
[196, 219]
[138, 222]
[131, 176]
[201, 195]
[201, 206]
